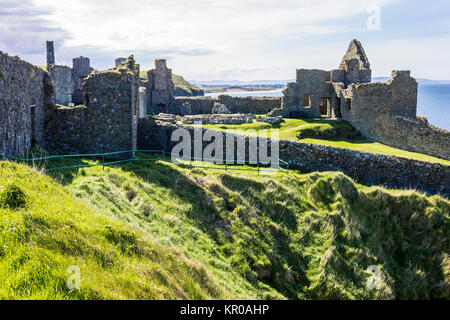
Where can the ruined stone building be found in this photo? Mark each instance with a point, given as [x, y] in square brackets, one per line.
[106, 121]
[159, 89]
[34, 107]
[384, 112]
[319, 93]
[81, 110]
[67, 81]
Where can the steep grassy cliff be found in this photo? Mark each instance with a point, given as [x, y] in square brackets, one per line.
[184, 88]
[154, 230]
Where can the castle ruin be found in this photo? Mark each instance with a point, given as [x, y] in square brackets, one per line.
[334, 94]
[80, 110]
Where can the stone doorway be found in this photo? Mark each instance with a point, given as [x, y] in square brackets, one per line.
[337, 111]
[325, 107]
[32, 123]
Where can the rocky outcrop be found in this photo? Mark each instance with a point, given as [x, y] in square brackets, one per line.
[220, 108]
[271, 120]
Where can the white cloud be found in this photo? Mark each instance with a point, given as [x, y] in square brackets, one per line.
[157, 24]
[203, 39]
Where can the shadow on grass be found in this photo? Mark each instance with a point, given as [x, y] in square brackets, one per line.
[209, 219]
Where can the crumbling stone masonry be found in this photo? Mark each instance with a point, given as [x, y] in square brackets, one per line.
[63, 85]
[50, 54]
[160, 89]
[317, 92]
[385, 112]
[159, 93]
[107, 122]
[67, 81]
[21, 105]
[120, 61]
[218, 118]
[81, 69]
[205, 105]
[256, 105]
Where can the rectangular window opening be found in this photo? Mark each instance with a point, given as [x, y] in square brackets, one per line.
[306, 101]
[348, 103]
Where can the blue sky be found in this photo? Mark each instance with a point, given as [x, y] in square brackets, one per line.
[233, 39]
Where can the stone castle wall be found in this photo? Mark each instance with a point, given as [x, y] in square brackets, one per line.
[386, 112]
[81, 69]
[160, 89]
[204, 105]
[63, 85]
[194, 105]
[107, 122]
[365, 168]
[414, 134]
[21, 105]
[256, 105]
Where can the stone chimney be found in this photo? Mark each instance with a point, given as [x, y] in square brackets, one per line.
[50, 54]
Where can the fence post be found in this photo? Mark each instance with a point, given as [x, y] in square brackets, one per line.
[78, 160]
[103, 162]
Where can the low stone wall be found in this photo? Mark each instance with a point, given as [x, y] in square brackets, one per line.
[365, 168]
[219, 118]
[204, 105]
[194, 105]
[255, 105]
[21, 105]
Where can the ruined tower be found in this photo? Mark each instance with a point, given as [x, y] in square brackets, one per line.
[355, 64]
[120, 61]
[81, 69]
[160, 88]
[50, 54]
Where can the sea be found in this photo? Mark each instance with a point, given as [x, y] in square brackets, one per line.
[433, 102]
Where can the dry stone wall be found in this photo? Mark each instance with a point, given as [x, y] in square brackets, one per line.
[255, 105]
[21, 105]
[366, 168]
[205, 105]
[194, 105]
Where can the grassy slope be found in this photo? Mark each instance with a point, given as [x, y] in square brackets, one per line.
[183, 88]
[291, 128]
[53, 230]
[275, 236]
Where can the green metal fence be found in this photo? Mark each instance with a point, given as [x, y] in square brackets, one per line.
[105, 159]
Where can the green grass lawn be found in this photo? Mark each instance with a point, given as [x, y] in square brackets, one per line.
[291, 129]
[151, 230]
